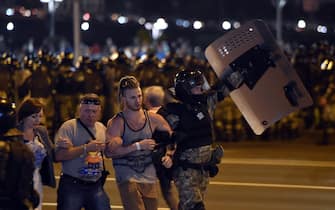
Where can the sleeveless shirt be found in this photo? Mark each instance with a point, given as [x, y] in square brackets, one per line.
[136, 166]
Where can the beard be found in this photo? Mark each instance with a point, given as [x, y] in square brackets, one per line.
[134, 107]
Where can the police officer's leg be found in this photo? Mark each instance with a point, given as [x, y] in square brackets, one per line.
[188, 184]
[199, 206]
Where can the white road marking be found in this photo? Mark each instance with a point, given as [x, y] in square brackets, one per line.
[243, 184]
[112, 206]
[249, 184]
[293, 186]
[278, 162]
[255, 161]
[108, 179]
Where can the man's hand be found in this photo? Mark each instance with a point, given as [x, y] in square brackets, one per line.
[95, 146]
[167, 161]
[147, 144]
[64, 143]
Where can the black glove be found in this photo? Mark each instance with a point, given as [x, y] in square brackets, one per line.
[161, 137]
[213, 170]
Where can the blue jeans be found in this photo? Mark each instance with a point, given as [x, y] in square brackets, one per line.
[72, 195]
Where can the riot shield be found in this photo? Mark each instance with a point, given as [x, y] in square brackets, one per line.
[261, 81]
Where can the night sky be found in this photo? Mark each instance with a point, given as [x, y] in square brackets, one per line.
[213, 12]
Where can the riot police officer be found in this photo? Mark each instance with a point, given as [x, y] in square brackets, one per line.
[16, 164]
[191, 121]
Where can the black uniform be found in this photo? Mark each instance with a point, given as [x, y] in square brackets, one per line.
[192, 124]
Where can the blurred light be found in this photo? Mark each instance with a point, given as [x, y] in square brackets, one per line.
[47, 1]
[186, 24]
[22, 10]
[160, 24]
[122, 20]
[226, 25]
[197, 49]
[27, 13]
[162, 62]
[114, 56]
[236, 24]
[127, 52]
[141, 20]
[321, 29]
[143, 58]
[330, 65]
[34, 11]
[10, 26]
[282, 3]
[197, 24]
[158, 27]
[148, 26]
[156, 33]
[301, 24]
[85, 26]
[327, 64]
[324, 64]
[10, 12]
[183, 23]
[51, 6]
[179, 22]
[114, 17]
[87, 16]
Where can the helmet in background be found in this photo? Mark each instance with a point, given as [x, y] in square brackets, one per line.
[7, 116]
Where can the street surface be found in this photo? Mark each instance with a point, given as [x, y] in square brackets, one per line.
[256, 175]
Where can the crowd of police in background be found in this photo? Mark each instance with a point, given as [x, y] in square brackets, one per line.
[59, 82]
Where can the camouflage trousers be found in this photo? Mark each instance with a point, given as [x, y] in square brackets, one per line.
[192, 183]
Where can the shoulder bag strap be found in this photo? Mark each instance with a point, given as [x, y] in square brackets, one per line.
[93, 137]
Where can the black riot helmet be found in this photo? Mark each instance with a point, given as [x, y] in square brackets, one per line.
[7, 116]
[185, 81]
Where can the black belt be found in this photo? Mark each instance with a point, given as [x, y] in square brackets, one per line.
[198, 166]
[79, 181]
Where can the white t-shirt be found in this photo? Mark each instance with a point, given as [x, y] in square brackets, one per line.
[89, 166]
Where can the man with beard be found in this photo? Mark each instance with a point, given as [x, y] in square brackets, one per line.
[130, 143]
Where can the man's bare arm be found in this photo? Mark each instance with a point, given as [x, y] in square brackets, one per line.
[162, 125]
[72, 152]
[159, 123]
[115, 148]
